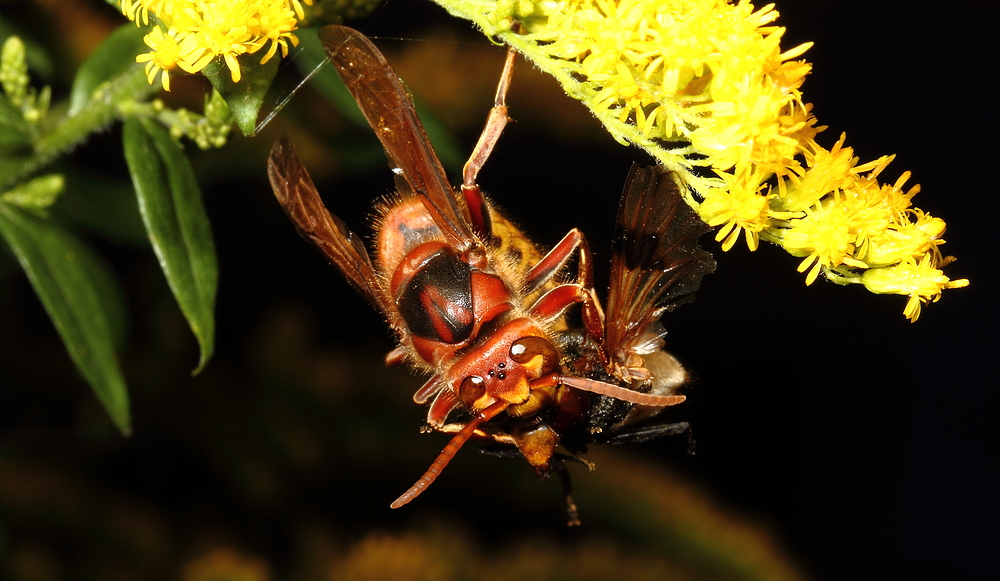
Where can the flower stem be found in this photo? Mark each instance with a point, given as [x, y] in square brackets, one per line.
[99, 112]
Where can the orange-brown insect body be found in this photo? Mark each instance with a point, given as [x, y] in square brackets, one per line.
[472, 301]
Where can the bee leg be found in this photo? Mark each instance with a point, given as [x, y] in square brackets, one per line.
[646, 433]
[478, 434]
[495, 124]
[557, 466]
[396, 357]
[593, 314]
[508, 449]
[572, 514]
[556, 259]
[444, 403]
[553, 262]
[430, 389]
[501, 451]
[555, 302]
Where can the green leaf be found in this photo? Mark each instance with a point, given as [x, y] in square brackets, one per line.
[37, 194]
[69, 282]
[174, 215]
[245, 97]
[14, 129]
[112, 58]
[329, 84]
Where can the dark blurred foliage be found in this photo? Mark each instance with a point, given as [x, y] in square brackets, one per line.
[834, 439]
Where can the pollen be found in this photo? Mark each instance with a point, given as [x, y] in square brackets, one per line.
[921, 281]
[823, 236]
[163, 57]
[199, 32]
[706, 87]
[737, 209]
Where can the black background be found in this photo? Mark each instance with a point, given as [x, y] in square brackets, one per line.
[863, 441]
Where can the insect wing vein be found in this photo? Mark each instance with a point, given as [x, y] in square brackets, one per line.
[298, 196]
[656, 262]
[389, 110]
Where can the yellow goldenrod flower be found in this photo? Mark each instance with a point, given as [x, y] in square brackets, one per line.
[908, 239]
[138, 10]
[739, 207]
[825, 172]
[163, 57]
[276, 27]
[220, 32]
[708, 72]
[200, 31]
[706, 84]
[922, 282]
[823, 236]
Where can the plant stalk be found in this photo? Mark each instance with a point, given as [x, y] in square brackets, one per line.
[101, 110]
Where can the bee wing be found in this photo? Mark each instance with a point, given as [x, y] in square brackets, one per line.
[298, 196]
[390, 111]
[656, 262]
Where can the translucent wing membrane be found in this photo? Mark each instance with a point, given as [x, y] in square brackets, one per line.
[390, 111]
[656, 262]
[468, 313]
[298, 196]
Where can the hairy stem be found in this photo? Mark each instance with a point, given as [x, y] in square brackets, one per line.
[99, 112]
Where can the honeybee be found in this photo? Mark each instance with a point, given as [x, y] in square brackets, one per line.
[481, 309]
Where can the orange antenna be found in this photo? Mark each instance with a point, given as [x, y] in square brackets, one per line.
[448, 453]
[621, 393]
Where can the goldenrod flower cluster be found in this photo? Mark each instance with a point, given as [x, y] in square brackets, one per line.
[15, 84]
[189, 34]
[705, 84]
